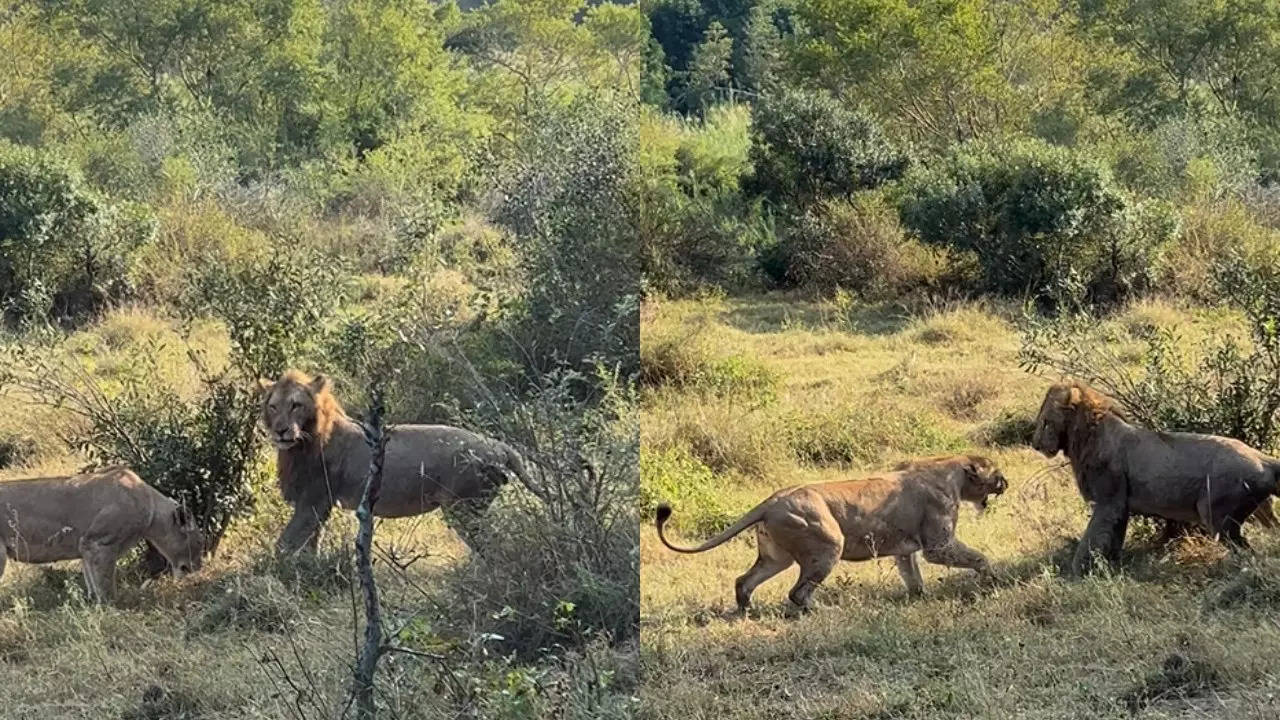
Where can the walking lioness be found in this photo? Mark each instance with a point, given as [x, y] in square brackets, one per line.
[897, 513]
[95, 517]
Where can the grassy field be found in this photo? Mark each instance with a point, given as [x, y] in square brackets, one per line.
[249, 636]
[747, 395]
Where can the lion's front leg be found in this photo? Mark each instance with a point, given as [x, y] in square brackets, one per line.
[304, 528]
[1103, 536]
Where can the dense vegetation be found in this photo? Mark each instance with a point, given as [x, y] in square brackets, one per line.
[1111, 146]
[437, 200]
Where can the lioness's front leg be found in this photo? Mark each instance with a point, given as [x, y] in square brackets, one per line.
[98, 563]
[941, 547]
[909, 569]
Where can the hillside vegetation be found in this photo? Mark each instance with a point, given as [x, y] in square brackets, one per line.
[745, 395]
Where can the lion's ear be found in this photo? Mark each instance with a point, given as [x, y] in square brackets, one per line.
[319, 384]
[1073, 397]
[264, 385]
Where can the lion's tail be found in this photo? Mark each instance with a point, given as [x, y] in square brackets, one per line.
[515, 464]
[753, 516]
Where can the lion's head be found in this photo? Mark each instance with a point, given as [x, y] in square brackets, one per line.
[177, 537]
[297, 409]
[1063, 403]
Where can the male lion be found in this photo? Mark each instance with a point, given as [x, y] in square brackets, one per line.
[322, 460]
[896, 513]
[1123, 469]
[95, 517]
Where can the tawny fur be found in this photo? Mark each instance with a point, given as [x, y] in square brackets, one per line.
[893, 514]
[1122, 469]
[95, 517]
[322, 460]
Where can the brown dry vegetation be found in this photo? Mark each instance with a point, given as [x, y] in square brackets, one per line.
[1180, 631]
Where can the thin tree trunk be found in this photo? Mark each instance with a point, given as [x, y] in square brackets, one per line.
[371, 651]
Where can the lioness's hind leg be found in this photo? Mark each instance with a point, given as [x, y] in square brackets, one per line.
[909, 569]
[770, 561]
[815, 566]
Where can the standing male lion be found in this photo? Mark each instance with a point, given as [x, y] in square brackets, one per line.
[897, 513]
[1212, 481]
[322, 460]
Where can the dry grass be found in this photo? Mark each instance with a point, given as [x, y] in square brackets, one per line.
[1180, 631]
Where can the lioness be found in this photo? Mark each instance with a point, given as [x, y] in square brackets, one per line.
[896, 513]
[95, 517]
[322, 460]
[1123, 469]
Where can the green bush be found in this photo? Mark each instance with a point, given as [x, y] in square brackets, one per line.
[563, 567]
[859, 245]
[807, 145]
[63, 249]
[1036, 216]
[567, 198]
[675, 477]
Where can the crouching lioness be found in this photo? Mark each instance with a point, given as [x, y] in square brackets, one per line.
[95, 517]
[897, 513]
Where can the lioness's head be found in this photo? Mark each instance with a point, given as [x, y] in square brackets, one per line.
[177, 537]
[1061, 403]
[297, 409]
[982, 479]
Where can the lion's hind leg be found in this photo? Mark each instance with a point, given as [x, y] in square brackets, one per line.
[770, 560]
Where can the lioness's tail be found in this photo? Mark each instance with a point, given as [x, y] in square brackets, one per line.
[753, 516]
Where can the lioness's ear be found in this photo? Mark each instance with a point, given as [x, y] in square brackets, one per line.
[319, 384]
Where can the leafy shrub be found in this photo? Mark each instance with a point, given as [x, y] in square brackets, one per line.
[566, 198]
[63, 249]
[859, 245]
[1228, 386]
[676, 477]
[1036, 216]
[274, 306]
[807, 145]
[564, 567]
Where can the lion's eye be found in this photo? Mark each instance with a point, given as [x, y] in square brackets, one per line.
[295, 405]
